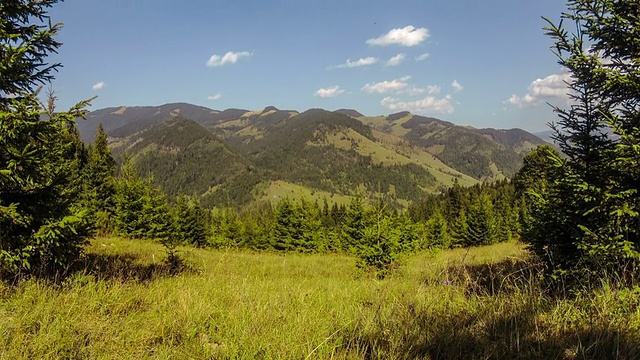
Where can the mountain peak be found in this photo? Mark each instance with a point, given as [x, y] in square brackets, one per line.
[349, 112]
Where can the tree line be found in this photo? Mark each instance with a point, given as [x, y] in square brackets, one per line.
[578, 209]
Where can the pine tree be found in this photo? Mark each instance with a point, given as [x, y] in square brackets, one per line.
[459, 229]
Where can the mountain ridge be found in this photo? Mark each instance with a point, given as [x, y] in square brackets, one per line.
[342, 152]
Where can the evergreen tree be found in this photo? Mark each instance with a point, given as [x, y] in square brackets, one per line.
[41, 230]
[142, 210]
[297, 227]
[99, 190]
[190, 221]
[354, 223]
[481, 224]
[459, 229]
[586, 223]
[437, 232]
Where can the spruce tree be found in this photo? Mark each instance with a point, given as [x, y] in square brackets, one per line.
[99, 184]
[586, 222]
[190, 222]
[41, 229]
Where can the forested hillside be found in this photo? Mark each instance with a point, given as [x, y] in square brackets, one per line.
[401, 157]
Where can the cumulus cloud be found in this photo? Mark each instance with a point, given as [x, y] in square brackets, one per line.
[228, 58]
[426, 106]
[387, 86]
[329, 92]
[422, 57]
[406, 36]
[98, 86]
[396, 60]
[215, 97]
[540, 90]
[358, 63]
[456, 86]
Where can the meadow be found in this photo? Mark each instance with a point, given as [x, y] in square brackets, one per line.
[121, 301]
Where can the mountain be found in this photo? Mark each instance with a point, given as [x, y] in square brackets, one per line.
[349, 112]
[186, 158]
[483, 154]
[123, 121]
[237, 156]
[545, 135]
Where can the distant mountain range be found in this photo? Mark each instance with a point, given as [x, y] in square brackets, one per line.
[236, 157]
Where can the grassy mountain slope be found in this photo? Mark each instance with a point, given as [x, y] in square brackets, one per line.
[479, 153]
[186, 158]
[321, 150]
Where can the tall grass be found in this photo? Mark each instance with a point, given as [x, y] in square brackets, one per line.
[122, 302]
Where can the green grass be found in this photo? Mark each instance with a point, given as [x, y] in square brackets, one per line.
[124, 303]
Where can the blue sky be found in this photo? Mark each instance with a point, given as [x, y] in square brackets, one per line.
[472, 62]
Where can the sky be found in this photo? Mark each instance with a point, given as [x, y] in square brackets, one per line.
[471, 62]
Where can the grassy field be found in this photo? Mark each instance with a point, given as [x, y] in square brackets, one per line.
[123, 303]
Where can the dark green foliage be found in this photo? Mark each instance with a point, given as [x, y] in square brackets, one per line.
[186, 158]
[355, 221]
[141, 208]
[384, 240]
[482, 227]
[41, 157]
[190, 221]
[584, 224]
[26, 38]
[478, 215]
[252, 229]
[297, 227]
[436, 232]
[99, 184]
[39, 177]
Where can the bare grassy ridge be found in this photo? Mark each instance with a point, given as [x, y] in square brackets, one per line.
[122, 302]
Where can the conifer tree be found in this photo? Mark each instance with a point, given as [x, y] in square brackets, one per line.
[190, 221]
[41, 230]
[481, 224]
[99, 184]
[142, 210]
[586, 224]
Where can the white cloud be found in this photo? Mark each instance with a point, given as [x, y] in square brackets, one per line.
[406, 36]
[426, 106]
[396, 60]
[456, 86]
[430, 90]
[98, 86]
[358, 63]
[215, 97]
[540, 90]
[387, 86]
[422, 57]
[228, 58]
[329, 92]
